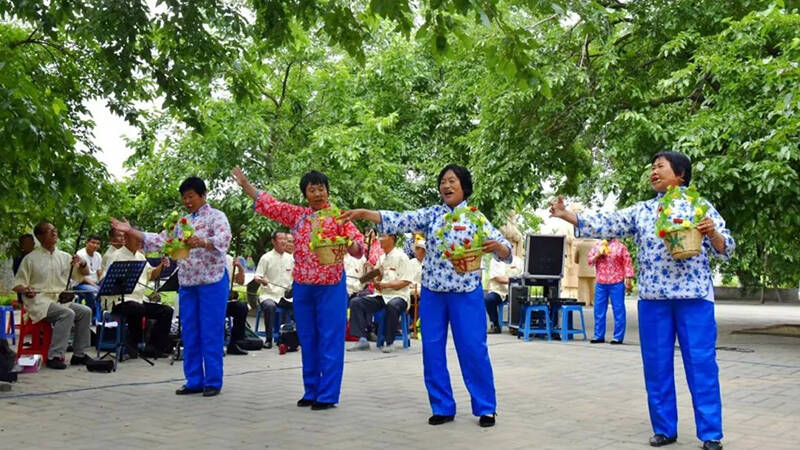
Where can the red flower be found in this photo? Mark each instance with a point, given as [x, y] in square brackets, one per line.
[183, 220]
[677, 220]
[660, 208]
[169, 241]
[466, 240]
[473, 208]
[446, 254]
[467, 245]
[662, 233]
[452, 246]
[459, 227]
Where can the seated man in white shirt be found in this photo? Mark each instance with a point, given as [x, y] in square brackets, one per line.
[274, 274]
[497, 292]
[91, 255]
[134, 308]
[41, 276]
[392, 292]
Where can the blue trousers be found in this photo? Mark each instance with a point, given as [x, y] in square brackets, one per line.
[693, 322]
[203, 332]
[464, 311]
[320, 312]
[602, 292]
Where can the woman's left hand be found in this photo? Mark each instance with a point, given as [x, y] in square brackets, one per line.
[492, 246]
[706, 227]
[195, 242]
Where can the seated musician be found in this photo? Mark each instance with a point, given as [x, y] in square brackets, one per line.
[497, 292]
[392, 293]
[274, 275]
[41, 276]
[235, 309]
[134, 308]
[91, 255]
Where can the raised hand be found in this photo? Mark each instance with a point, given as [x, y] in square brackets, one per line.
[559, 210]
[241, 179]
[121, 225]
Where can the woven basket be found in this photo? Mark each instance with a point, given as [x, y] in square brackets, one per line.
[181, 253]
[331, 254]
[683, 243]
[470, 261]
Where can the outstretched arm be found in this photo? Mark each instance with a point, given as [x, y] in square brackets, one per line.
[241, 180]
[559, 210]
[361, 214]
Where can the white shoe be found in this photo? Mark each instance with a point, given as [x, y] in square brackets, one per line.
[359, 346]
[387, 348]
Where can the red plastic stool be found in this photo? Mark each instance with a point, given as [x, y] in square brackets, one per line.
[41, 334]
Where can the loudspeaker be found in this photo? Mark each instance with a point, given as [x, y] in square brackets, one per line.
[544, 255]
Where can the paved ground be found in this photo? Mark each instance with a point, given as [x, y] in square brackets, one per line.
[550, 395]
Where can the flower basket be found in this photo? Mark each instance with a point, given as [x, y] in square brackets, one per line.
[467, 262]
[683, 243]
[179, 253]
[680, 234]
[176, 246]
[326, 241]
[463, 252]
[330, 254]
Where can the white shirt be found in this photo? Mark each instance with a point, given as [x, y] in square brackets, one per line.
[276, 268]
[106, 256]
[124, 254]
[416, 271]
[354, 269]
[395, 267]
[95, 263]
[44, 271]
[501, 269]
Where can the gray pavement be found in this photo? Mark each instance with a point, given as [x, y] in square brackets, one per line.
[551, 395]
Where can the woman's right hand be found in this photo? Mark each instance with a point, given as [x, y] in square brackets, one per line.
[119, 225]
[351, 215]
[241, 179]
[559, 210]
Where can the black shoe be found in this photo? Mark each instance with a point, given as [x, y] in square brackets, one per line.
[372, 337]
[712, 445]
[210, 392]
[234, 349]
[56, 363]
[486, 421]
[597, 341]
[268, 344]
[186, 391]
[659, 440]
[80, 360]
[494, 329]
[318, 406]
[436, 419]
[303, 402]
[615, 342]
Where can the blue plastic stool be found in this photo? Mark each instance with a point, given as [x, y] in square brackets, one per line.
[500, 307]
[280, 315]
[4, 327]
[565, 330]
[525, 330]
[380, 318]
[110, 345]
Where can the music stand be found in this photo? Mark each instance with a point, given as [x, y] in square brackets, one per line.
[121, 279]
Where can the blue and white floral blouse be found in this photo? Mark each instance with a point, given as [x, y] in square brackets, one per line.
[660, 276]
[438, 273]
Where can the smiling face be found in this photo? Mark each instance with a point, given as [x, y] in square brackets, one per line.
[663, 176]
[91, 246]
[317, 196]
[450, 189]
[192, 201]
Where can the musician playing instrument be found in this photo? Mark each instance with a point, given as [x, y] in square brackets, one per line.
[392, 293]
[274, 274]
[135, 305]
[42, 275]
[204, 286]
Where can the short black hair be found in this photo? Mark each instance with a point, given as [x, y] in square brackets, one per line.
[275, 234]
[22, 237]
[313, 177]
[38, 230]
[195, 184]
[94, 237]
[680, 163]
[463, 176]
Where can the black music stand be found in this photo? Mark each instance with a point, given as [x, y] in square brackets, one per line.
[121, 279]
